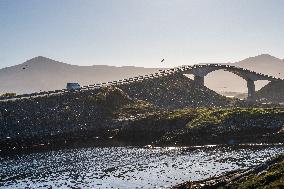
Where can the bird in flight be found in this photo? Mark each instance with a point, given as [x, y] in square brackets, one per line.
[24, 67]
[163, 60]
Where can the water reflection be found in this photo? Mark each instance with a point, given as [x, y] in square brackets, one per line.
[126, 167]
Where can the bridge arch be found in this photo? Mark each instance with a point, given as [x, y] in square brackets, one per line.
[224, 82]
[202, 70]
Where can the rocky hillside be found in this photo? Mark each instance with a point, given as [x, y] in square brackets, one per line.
[55, 115]
[96, 117]
[76, 111]
[230, 126]
[273, 92]
[174, 91]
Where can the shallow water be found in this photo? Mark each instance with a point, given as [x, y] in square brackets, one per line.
[126, 167]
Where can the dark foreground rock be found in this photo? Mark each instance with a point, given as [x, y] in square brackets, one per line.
[139, 124]
[272, 92]
[229, 126]
[267, 175]
[175, 91]
[109, 116]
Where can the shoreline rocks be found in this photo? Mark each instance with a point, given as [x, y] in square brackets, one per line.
[110, 115]
[249, 178]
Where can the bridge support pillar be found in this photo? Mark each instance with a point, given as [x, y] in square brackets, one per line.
[199, 80]
[251, 90]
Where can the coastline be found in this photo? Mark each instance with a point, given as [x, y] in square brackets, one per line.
[266, 174]
[162, 128]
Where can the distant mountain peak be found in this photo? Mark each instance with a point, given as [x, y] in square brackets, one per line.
[265, 56]
[40, 58]
[262, 58]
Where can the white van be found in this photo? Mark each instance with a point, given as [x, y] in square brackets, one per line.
[73, 86]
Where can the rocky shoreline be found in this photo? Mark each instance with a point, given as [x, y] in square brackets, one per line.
[269, 174]
[110, 117]
[164, 128]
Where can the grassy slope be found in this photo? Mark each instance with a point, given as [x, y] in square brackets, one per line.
[205, 126]
[234, 116]
[271, 179]
[205, 117]
[272, 92]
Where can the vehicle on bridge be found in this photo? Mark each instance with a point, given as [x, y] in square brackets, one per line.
[73, 86]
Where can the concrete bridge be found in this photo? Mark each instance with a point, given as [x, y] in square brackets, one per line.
[199, 71]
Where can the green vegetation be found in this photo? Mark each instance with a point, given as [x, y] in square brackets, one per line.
[205, 125]
[236, 116]
[137, 108]
[109, 99]
[203, 117]
[142, 110]
[8, 95]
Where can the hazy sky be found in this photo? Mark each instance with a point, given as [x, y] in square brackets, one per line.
[140, 32]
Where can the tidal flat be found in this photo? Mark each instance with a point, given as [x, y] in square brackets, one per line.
[128, 167]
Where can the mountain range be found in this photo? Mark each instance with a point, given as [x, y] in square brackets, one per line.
[42, 74]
